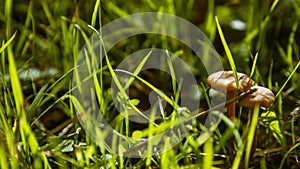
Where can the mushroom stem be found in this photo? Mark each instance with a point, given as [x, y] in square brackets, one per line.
[231, 106]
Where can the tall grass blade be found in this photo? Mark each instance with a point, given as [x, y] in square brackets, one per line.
[288, 79]
[251, 134]
[228, 53]
[15, 82]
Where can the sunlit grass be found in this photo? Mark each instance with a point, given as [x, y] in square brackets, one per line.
[52, 34]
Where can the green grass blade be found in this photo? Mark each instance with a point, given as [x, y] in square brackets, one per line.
[238, 158]
[117, 10]
[15, 82]
[8, 17]
[254, 64]
[137, 70]
[231, 125]
[27, 137]
[36, 102]
[6, 44]
[208, 150]
[251, 135]
[115, 78]
[95, 11]
[168, 156]
[119, 86]
[99, 91]
[3, 160]
[48, 13]
[270, 75]
[22, 45]
[288, 79]
[210, 27]
[228, 53]
[31, 145]
[174, 80]
[160, 93]
[287, 153]
[289, 49]
[251, 35]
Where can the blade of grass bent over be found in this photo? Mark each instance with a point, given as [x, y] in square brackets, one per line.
[6, 44]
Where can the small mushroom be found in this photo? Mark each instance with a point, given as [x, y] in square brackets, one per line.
[224, 81]
[260, 97]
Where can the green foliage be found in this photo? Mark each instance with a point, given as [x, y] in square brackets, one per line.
[273, 126]
[49, 34]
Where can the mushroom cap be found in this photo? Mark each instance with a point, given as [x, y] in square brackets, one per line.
[262, 96]
[225, 81]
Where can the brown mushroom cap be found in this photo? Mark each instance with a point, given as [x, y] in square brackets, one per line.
[225, 81]
[262, 96]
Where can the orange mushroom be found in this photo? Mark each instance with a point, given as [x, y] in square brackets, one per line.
[224, 81]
